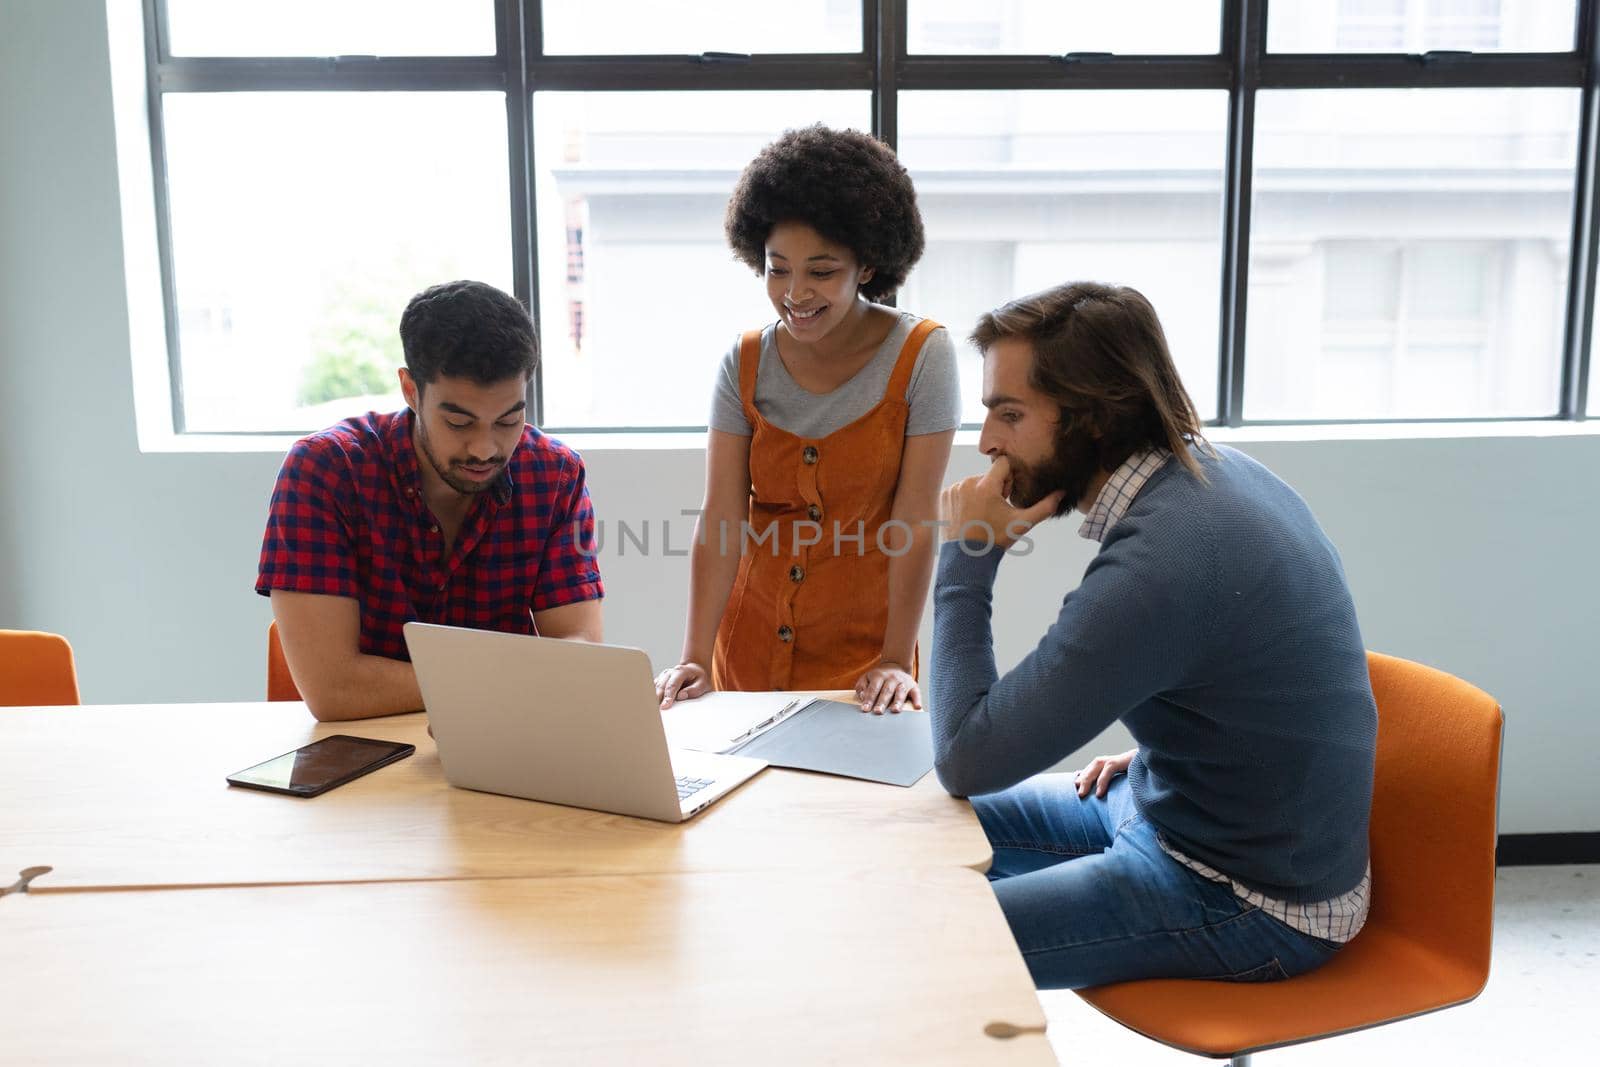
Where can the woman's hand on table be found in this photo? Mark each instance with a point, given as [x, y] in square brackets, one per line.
[684, 681]
[888, 687]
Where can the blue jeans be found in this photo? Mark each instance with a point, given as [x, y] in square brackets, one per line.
[1092, 898]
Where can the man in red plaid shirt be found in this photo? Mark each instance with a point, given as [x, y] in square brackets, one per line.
[453, 511]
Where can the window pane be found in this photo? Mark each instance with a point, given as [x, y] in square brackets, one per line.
[1051, 27]
[1408, 253]
[1024, 190]
[331, 27]
[1422, 25]
[1363, 282]
[301, 225]
[648, 27]
[1594, 369]
[639, 296]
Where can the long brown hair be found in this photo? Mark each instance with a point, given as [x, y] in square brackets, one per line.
[1099, 352]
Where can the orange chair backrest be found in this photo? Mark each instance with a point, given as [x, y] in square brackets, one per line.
[1435, 808]
[36, 668]
[280, 683]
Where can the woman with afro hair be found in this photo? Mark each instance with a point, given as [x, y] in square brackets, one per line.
[830, 431]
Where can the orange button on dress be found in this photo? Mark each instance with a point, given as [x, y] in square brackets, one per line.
[811, 600]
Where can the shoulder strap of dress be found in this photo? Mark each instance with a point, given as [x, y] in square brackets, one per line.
[900, 377]
[749, 364]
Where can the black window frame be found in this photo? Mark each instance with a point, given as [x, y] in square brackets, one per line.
[1242, 66]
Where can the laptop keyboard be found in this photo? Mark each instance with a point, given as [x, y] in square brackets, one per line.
[688, 784]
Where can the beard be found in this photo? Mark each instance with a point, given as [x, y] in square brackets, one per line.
[1070, 467]
[446, 471]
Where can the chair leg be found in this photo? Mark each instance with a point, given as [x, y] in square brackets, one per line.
[1240, 1061]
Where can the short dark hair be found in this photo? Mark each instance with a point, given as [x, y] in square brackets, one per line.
[1099, 352]
[468, 330]
[846, 185]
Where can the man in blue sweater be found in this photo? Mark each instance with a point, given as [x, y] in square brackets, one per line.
[1215, 623]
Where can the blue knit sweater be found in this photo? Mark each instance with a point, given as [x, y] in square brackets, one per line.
[1215, 622]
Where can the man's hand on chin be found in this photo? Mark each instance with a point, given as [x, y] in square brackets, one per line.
[976, 508]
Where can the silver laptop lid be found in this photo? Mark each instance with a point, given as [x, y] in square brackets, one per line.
[566, 722]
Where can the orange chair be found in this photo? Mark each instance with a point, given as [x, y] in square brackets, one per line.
[280, 683]
[36, 668]
[1426, 942]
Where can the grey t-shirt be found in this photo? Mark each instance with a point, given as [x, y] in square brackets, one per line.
[934, 393]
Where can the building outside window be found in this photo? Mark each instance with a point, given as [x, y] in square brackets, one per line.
[1408, 257]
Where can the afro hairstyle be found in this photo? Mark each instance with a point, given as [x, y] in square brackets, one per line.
[846, 185]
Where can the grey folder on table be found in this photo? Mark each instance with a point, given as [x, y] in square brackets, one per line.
[837, 738]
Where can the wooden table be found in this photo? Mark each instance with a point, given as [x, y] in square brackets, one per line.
[802, 919]
[880, 967]
[134, 796]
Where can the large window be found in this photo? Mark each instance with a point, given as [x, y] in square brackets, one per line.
[639, 296]
[1344, 210]
[302, 222]
[1019, 193]
[1408, 252]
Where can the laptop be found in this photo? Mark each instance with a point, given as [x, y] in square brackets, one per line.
[565, 722]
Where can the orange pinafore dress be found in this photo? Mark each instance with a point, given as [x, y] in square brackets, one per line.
[811, 600]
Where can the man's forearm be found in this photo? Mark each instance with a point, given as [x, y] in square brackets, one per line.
[1093, 664]
[963, 663]
[365, 687]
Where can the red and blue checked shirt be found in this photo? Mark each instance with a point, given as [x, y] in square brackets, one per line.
[348, 520]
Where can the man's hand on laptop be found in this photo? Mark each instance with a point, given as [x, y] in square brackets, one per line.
[977, 508]
[1097, 776]
[685, 681]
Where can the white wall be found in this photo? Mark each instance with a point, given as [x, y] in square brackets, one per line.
[1477, 554]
